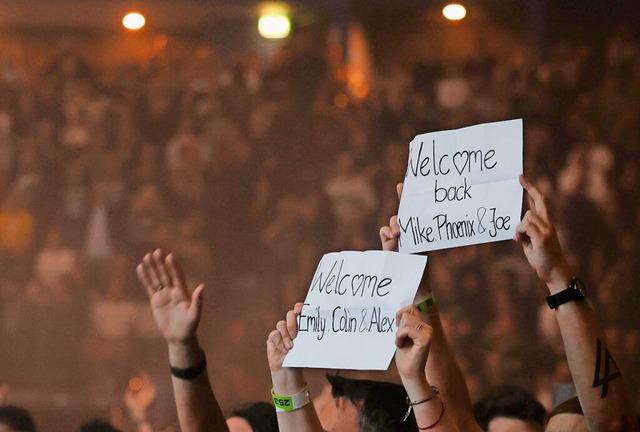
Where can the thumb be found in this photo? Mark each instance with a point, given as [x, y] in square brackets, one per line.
[195, 309]
[399, 189]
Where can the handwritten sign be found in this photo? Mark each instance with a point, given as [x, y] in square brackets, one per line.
[349, 317]
[461, 187]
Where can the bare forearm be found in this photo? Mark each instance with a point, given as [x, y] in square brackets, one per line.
[145, 426]
[141, 419]
[289, 383]
[197, 407]
[434, 412]
[443, 370]
[598, 381]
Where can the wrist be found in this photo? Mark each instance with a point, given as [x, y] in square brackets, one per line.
[139, 417]
[417, 388]
[288, 381]
[141, 421]
[183, 342]
[288, 403]
[424, 302]
[559, 279]
[424, 290]
[185, 354]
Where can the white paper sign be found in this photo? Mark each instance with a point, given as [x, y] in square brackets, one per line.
[461, 187]
[348, 321]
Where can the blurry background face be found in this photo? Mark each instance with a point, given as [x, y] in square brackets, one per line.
[237, 424]
[336, 415]
[504, 424]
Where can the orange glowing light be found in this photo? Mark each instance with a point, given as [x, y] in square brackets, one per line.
[133, 21]
[454, 12]
[360, 91]
[135, 384]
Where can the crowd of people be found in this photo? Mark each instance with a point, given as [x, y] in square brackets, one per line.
[422, 355]
[250, 172]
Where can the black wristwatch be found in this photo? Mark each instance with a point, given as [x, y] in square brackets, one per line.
[577, 290]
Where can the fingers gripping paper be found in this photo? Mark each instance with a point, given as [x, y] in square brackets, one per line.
[461, 187]
[348, 321]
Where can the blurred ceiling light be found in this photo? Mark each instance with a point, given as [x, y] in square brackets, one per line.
[454, 12]
[133, 21]
[274, 25]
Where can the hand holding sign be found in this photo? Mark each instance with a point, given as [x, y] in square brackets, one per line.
[413, 341]
[389, 235]
[280, 340]
[461, 187]
[286, 381]
[539, 240]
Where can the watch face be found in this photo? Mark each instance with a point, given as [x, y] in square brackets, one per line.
[580, 287]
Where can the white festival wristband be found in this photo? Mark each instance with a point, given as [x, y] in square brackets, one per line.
[291, 403]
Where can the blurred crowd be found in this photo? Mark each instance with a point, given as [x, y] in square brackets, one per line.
[250, 172]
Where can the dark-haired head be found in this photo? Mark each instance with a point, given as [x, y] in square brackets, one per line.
[16, 419]
[509, 402]
[260, 416]
[98, 426]
[382, 405]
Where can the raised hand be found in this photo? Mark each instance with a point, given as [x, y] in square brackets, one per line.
[539, 239]
[176, 311]
[413, 340]
[389, 235]
[604, 400]
[139, 400]
[280, 340]
[288, 381]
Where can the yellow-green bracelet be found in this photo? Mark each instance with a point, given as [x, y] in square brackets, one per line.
[426, 304]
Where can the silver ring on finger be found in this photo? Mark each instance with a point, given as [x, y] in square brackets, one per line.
[419, 326]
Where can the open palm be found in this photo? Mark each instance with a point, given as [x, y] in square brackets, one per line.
[176, 311]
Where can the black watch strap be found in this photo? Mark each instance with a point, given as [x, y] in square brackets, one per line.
[575, 291]
[192, 372]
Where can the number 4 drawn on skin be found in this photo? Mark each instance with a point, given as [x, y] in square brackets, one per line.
[604, 358]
